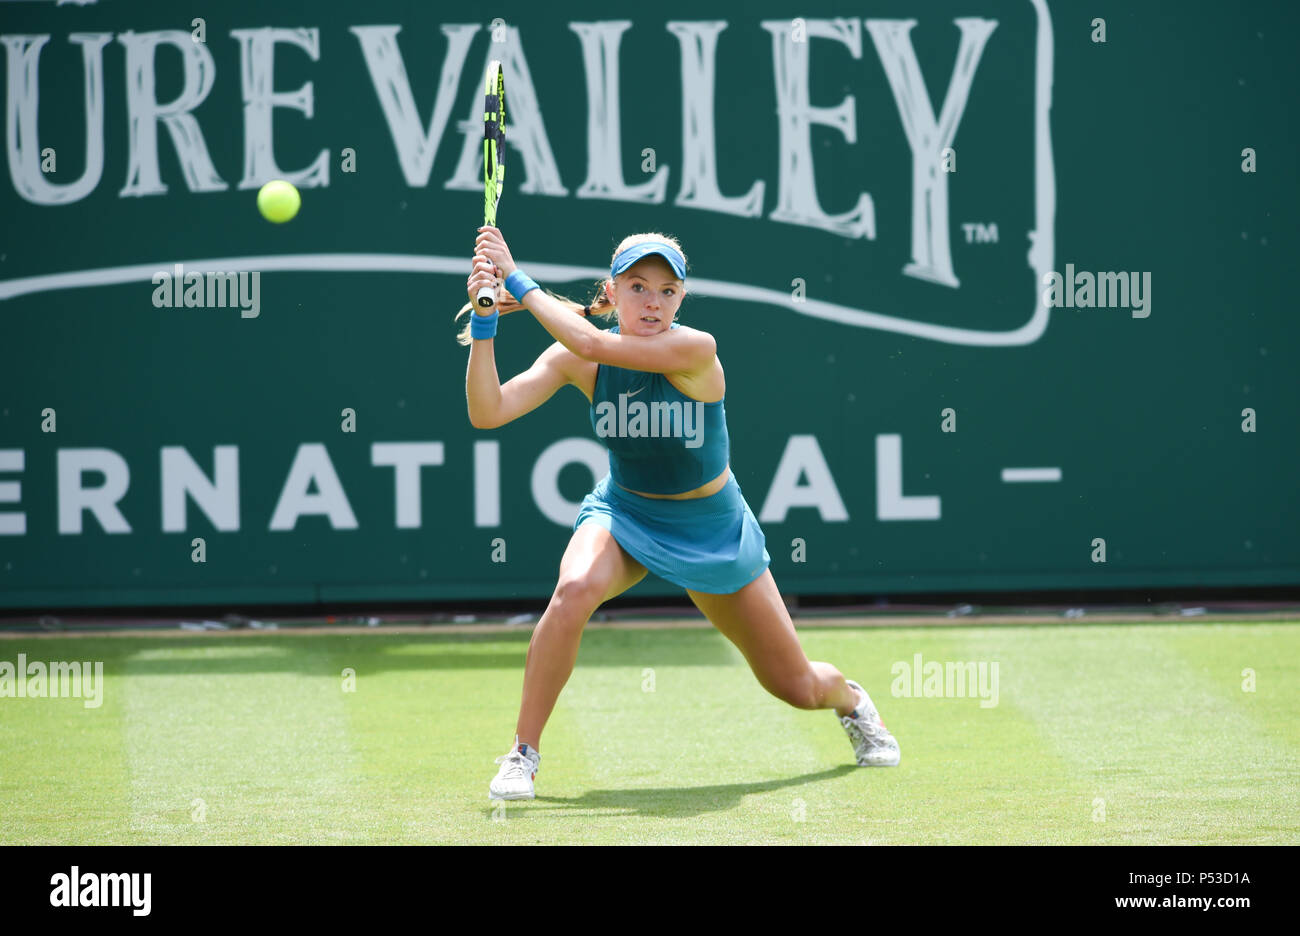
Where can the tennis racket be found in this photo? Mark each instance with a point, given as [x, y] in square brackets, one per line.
[494, 147]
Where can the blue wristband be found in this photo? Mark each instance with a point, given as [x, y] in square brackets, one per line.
[519, 283]
[483, 326]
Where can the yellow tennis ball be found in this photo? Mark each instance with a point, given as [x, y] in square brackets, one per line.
[278, 201]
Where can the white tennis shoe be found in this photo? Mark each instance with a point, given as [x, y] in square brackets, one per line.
[873, 745]
[514, 781]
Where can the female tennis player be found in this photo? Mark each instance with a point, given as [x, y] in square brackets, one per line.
[669, 504]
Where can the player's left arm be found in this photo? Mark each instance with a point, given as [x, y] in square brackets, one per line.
[680, 350]
[676, 351]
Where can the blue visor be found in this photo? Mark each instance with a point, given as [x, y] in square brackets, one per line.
[637, 252]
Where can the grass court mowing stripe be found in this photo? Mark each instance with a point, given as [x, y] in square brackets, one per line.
[1173, 750]
[241, 741]
[63, 767]
[1150, 719]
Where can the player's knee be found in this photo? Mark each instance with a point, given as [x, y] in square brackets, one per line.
[580, 593]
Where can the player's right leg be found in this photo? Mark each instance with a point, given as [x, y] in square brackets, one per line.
[594, 570]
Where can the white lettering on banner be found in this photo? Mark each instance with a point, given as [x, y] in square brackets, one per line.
[524, 120]
[705, 47]
[23, 53]
[74, 498]
[257, 56]
[487, 483]
[407, 458]
[797, 189]
[699, 42]
[928, 136]
[12, 522]
[803, 458]
[182, 477]
[416, 146]
[802, 479]
[545, 480]
[891, 502]
[145, 112]
[600, 42]
[312, 465]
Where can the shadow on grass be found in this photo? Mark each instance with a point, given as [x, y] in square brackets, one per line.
[673, 802]
[327, 654]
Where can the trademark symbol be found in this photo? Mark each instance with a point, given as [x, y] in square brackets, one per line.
[978, 233]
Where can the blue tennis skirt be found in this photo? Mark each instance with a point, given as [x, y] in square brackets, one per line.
[706, 544]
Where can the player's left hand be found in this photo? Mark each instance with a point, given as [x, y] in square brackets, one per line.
[483, 274]
[492, 244]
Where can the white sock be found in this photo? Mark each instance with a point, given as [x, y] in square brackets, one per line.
[862, 701]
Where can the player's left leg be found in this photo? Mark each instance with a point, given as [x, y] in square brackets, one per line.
[755, 619]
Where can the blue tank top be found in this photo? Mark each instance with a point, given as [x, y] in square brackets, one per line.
[660, 440]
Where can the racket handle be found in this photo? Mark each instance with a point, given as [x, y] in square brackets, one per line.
[487, 297]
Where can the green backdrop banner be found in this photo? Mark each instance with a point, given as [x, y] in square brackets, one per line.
[999, 288]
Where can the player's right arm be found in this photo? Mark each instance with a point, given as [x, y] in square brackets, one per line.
[492, 404]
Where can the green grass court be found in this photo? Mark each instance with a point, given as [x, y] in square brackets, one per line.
[1103, 734]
